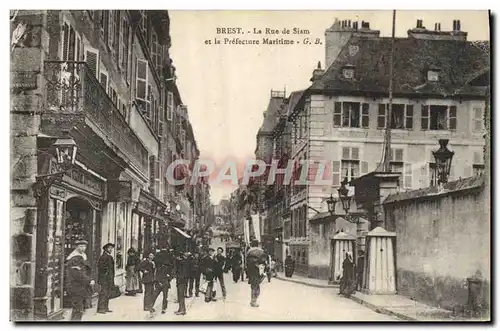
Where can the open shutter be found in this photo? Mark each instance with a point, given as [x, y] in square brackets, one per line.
[141, 89]
[161, 119]
[111, 30]
[424, 118]
[336, 173]
[104, 81]
[65, 41]
[381, 116]
[121, 43]
[452, 118]
[409, 117]
[408, 175]
[365, 115]
[92, 59]
[337, 114]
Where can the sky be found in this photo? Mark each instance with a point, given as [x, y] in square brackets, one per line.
[227, 87]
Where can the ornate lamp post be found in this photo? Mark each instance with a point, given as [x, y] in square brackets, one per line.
[65, 150]
[443, 157]
[331, 202]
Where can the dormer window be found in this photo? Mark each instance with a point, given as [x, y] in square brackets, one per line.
[348, 72]
[433, 74]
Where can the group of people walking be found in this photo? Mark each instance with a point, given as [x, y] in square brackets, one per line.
[153, 275]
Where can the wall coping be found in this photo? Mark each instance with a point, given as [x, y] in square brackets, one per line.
[434, 191]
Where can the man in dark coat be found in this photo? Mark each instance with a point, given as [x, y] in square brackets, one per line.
[256, 261]
[181, 275]
[78, 280]
[235, 265]
[208, 268]
[359, 269]
[220, 260]
[164, 261]
[148, 269]
[194, 275]
[106, 278]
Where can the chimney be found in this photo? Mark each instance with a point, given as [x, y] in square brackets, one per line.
[458, 25]
[420, 32]
[420, 24]
[317, 73]
[349, 23]
[355, 25]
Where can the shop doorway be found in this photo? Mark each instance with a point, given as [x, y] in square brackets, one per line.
[82, 222]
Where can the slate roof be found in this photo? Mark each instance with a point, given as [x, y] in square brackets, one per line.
[458, 61]
[272, 115]
[458, 185]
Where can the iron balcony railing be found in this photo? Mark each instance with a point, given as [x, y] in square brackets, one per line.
[71, 87]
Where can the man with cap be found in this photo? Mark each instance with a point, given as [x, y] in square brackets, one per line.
[105, 277]
[208, 268]
[220, 260]
[256, 261]
[78, 279]
[164, 262]
[181, 275]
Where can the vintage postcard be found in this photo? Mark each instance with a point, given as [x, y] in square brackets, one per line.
[252, 166]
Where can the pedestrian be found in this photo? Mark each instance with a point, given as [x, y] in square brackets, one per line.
[194, 275]
[208, 268]
[181, 275]
[78, 280]
[106, 278]
[348, 280]
[268, 268]
[289, 266]
[131, 277]
[273, 267]
[256, 261]
[148, 269]
[164, 262]
[236, 262]
[220, 260]
[359, 269]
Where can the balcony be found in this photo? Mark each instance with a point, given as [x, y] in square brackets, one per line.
[72, 89]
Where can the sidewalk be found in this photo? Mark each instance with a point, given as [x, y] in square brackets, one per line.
[320, 283]
[393, 305]
[406, 308]
[128, 308]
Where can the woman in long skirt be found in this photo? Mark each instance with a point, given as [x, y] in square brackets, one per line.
[348, 281]
[132, 276]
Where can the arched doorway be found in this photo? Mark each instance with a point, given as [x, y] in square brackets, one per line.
[81, 222]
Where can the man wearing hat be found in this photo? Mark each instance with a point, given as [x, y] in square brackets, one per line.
[105, 277]
[256, 260]
[78, 279]
[208, 267]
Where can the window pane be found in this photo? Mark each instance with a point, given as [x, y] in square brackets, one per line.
[141, 69]
[336, 119]
[409, 122]
[355, 153]
[141, 89]
[381, 122]
[425, 123]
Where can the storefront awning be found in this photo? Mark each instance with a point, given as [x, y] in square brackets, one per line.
[182, 233]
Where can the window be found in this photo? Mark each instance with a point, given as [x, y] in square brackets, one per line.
[478, 165]
[92, 59]
[170, 105]
[104, 81]
[365, 115]
[144, 23]
[347, 114]
[348, 73]
[350, 163]
[401, 116]
[103, 25]
[432, 75]
[111, 29]
[439, 117]
[155, 51]
[478, 120]
[124, 45]
[397, 165]
[141, 87]
[113, 96]
[72, 47]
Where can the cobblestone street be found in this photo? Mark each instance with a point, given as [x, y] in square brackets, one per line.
[279, 301]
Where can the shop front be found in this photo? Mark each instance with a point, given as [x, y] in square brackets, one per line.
[149, 225]
[68, 211]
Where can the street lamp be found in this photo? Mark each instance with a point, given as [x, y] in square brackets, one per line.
[65, 150]
[443, 157]
[331, 202]
[344, 197]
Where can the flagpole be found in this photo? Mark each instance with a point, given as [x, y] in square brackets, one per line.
[387, 152]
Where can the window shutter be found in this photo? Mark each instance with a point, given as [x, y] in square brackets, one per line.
[408, 175]
[337, 114]
[468, 171]
[478, 119]
[121, 43]
[381, 116]
[346, 153]
[104, 81]
[424, 117]
[365, 115]
[398, 155]
[111, 31]
[409, 117]
[452, 118]
[478, 158]
[141, 90]
[354, 153]
[364, 168]
[65, 41]
[92, 59]
[336, 173]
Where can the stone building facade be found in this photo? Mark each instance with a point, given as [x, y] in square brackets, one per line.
[105, 79]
